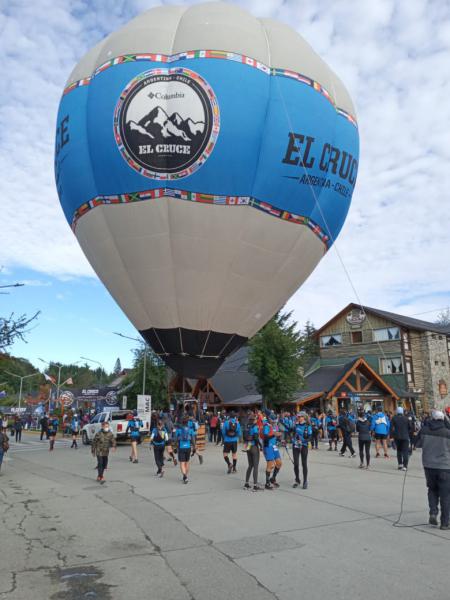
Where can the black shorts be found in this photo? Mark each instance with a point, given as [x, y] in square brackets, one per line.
[333, 434]
[230, 447]
[381, 436]
[184, 454]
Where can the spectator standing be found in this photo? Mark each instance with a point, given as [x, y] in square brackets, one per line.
[213, 426]
[18, 426]
[347, 427]
[43, 422]
[364, 438]
[400, 431]
[4, 445]
[434, 439]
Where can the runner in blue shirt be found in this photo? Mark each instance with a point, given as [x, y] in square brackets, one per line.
[302, 435]
[231, 432]
[186, 446]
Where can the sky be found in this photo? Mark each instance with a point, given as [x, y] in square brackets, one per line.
[393, 251]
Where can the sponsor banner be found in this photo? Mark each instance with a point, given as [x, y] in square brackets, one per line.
[217, 132]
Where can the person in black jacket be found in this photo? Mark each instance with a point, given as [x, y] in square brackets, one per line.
[44, 427]
[434, 439]
[364, 438]
[345, 426]
[400, 431]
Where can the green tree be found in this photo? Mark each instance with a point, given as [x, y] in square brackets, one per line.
[275, 358]
[309, 344]
[117, 367]
[156, 377]
[10, 384]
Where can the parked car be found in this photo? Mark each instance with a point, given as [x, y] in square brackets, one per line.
[118, 422]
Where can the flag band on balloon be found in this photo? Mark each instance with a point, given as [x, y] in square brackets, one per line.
[218, 54]
[202, 199]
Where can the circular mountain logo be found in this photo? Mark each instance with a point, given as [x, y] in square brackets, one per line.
[67, 397]
[166, 123]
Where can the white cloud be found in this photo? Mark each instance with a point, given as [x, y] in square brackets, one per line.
[392, 56]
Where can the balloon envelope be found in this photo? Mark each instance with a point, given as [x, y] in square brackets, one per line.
[205, 160]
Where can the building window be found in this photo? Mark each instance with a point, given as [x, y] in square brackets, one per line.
[436, 363]
[331, 340]
[440, 337]
[357, 337]
[391, 366]
[442, 364]
[386, 335]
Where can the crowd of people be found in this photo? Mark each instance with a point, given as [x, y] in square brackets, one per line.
[175, 435]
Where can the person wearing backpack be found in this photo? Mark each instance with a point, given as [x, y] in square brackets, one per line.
[159, 439]
[315, 427]
[231, 432]
[75, 430]
[134, 427]
[331, 425]
[53, 424]
[253, 447]
[186, 446]
[380, 427]
[271, 437]
[4, 446]
[302, 434]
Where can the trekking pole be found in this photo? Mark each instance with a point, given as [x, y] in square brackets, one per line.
[287, 452]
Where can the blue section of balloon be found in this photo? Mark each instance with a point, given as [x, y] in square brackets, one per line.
[268, 126]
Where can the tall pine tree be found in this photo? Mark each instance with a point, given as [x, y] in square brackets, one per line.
[117, 367]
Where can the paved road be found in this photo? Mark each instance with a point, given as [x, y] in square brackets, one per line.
[66, 537]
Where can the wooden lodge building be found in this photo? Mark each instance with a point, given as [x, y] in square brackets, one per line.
[367, 357]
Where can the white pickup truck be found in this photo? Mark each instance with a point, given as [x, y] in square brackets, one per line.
[118, 423]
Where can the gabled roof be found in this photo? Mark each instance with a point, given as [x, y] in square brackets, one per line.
[328, 379]
[233, 380]
[401, 320]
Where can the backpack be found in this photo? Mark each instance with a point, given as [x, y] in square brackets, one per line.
[185, 434]
[246, 435]
[158, 438]
[232, 428]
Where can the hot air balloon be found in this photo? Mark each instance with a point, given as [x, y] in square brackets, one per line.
[205, 160]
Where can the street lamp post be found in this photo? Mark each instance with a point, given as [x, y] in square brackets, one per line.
[98, 363]
[21, 377]
[145, 355]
